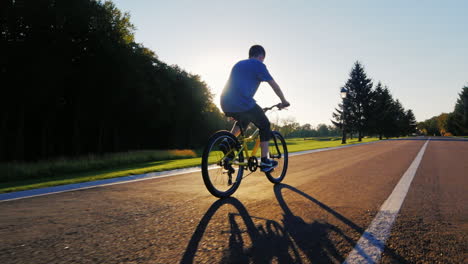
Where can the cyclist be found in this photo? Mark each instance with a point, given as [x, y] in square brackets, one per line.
[237, 100]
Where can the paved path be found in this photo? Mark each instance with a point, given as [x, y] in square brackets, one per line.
[317, 215]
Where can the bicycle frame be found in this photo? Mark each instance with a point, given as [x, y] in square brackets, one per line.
[244, 147]
[226, 157]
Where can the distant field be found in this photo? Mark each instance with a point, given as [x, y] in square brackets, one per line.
[23, 176]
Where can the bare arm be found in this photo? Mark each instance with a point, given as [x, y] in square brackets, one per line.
[278, 92]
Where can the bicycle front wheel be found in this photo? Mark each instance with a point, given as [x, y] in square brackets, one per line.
[221, 173]
[278, 152]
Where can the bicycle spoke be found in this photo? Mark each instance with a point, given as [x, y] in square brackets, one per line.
[221, 173]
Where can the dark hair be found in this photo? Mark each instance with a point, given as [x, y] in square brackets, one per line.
[255, 51]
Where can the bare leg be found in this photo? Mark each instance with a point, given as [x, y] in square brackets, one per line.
[264, 147]
[235, 130]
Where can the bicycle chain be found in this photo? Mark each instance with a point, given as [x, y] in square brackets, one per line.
[243, 177]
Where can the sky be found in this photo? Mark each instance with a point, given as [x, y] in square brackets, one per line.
[419, 49]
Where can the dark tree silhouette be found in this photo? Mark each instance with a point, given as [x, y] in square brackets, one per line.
[382, 102]
[357, 104]
[74, 82]
[368, 111]
[457, 122]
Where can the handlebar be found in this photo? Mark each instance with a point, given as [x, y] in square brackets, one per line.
[273, 106]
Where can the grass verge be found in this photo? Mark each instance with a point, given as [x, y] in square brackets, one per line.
[15, 171]
[299, 144]
[132, 166]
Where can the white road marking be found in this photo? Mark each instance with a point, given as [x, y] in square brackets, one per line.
[88, 185]
[370, 246]
[127, 179]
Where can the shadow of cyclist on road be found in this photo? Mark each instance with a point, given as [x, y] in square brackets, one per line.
[248, 242]
[238, 237]
[259, 240]
[313, 239]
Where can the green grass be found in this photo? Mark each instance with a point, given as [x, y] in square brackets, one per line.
[46, 169]
[22, 176]
[299, 144]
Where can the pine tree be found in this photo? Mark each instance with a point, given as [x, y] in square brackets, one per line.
[371, 111]
[457, 122]
[338, 117]
[381, 104]
[358, 112]
[410, 122]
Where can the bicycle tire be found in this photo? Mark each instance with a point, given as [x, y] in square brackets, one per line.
[215, 178]
[278, 151]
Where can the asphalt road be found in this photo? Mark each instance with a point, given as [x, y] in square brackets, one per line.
[326, 202]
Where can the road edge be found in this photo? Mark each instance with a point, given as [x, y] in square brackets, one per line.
[11, 196]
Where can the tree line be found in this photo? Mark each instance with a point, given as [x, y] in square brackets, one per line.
[292, 129]
[75, 82]
[369, 110]
[449, 124]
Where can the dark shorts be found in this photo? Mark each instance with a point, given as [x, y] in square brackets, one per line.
[256, 116]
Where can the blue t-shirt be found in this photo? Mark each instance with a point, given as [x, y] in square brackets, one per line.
[242, 85]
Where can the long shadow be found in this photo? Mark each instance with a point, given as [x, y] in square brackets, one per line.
[290, 225]
[264, 238]
[279, 197]
[312, 238]
[197, 236]
[291, 241]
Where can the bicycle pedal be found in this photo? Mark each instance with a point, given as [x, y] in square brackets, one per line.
[230, 179]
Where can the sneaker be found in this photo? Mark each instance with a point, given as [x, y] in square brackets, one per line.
[268, 165]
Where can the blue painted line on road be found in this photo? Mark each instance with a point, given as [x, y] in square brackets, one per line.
[87, 185]
[55, 189]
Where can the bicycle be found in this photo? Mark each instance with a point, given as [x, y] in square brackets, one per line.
[226, 156]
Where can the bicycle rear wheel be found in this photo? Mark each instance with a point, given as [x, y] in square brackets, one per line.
[278, 152]
[220, 173]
